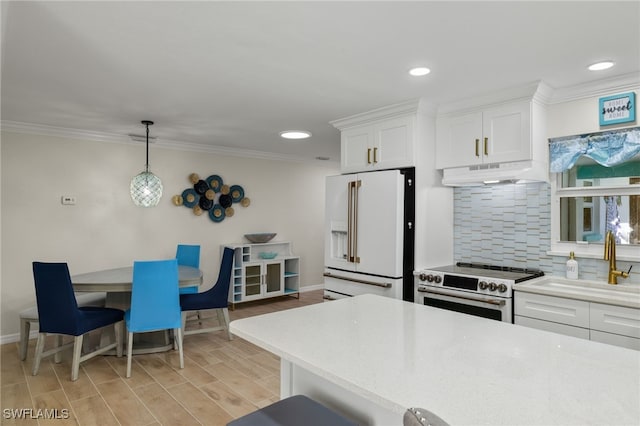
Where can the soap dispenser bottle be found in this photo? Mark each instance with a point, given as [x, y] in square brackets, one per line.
[572, 267]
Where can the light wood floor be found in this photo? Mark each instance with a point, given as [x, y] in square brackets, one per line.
[222, 380]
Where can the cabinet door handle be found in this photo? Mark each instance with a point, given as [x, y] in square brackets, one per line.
[477, 148]
[486, 146]
[368, 155]
[375, 155]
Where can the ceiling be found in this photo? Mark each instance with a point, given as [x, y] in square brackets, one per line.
[232, 75]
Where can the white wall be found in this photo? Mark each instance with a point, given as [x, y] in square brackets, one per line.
[434, 203]
[580, 116]
[105, 230]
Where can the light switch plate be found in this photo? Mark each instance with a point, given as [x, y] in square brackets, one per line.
[68, 200]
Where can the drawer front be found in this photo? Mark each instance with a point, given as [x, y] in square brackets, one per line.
[549, 308]
[567, 330]
[615, 339]
[615, 319]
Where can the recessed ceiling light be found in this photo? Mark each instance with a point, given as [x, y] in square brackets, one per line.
[419, 71]
[599, 66]
[295, 134]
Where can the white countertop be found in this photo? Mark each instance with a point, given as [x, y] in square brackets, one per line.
[622, 294]
[467, 370]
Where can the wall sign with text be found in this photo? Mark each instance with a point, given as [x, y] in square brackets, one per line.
[618, 109]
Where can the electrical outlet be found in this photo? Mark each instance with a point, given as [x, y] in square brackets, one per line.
[68, 200]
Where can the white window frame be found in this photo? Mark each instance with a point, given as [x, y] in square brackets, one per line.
[584, 248]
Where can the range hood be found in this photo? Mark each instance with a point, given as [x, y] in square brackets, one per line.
[487, 174]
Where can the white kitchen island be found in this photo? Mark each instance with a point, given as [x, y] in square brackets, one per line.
[371, 357]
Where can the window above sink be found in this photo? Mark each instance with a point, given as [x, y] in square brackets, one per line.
[596, 189]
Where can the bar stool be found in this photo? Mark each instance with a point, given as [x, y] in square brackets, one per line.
[293, 411]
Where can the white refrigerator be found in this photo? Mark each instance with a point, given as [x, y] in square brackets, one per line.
[364, 234]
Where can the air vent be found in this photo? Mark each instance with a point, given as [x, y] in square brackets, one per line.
[485, 166]
[481, 174]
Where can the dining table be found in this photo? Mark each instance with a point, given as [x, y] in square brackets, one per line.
[117, 284]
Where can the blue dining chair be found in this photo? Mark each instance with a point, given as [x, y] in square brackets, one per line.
[188, 255]
[217, 297]
[58, 313]
[155, 302]
[29, 317]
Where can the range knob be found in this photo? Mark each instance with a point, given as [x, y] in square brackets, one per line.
[430, 278]
[502, 288]
[493, 286]
[483, 285]
[437, 279]
[422, 276]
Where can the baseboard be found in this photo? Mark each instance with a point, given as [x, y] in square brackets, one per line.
[15, 337]
[304, 289]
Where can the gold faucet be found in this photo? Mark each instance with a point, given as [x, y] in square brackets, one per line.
[610, 255]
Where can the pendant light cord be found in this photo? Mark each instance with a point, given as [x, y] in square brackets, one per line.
[147, 123]
[147, 164]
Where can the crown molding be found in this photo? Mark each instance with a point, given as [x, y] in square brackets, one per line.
[545, 94]
[622, 83]
[535, 90]
[402, 108]
[45, 130]
[62, 132]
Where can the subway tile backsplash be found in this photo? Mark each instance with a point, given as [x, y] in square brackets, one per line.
[511, 225]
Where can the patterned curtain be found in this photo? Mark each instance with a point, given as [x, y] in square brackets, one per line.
[606, 148]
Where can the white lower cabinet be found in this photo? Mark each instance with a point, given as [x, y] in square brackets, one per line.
[554, 309]
[615, 325]
[567, 330]
[257, 277]
[262, 279]
[615, 339]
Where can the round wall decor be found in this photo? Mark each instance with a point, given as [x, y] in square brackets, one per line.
[211, 195]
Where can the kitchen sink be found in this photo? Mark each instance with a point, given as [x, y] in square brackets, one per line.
[621, 294]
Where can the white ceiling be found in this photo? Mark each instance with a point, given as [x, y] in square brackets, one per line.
[234, 74]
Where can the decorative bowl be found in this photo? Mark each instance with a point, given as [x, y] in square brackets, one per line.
[260, 238]
[267, 254]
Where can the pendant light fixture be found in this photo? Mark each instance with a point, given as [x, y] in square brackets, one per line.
[146, 188]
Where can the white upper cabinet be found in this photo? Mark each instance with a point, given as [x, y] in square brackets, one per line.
[499, 132]
[458, 140]
[380, 139]
[356, 146]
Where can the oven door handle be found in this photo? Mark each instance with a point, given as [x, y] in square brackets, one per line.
[489, 301]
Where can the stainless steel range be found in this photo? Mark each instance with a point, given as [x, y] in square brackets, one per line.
[471, 288]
